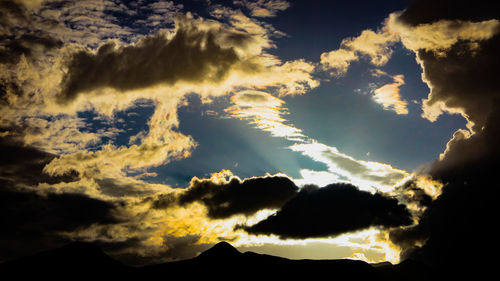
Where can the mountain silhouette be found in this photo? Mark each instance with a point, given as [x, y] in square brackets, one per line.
[75, 259]
[79, 260]
[221, 250]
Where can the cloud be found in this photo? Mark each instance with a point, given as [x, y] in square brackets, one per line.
[417, 192]
[367, 174]
[428, 11]
[458, 63]
[330, 211]
[192, 55]
[374, 45]
[32, 219]
[199, 53]
[263, 8]
[443, 34]
[160, 144]
[461, 46]
[22, 165]
[32, 222]
[264, 111]
[106, 64]
[28, 45]
[225, 198]
[388, 96]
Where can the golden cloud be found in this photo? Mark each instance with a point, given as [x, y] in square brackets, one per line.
[388, 96]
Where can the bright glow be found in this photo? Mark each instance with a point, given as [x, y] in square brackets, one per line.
[319, 178]
[368, 175]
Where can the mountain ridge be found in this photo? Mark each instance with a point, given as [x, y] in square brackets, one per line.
[222, 261]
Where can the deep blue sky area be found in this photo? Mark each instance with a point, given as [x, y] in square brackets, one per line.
[315, 25]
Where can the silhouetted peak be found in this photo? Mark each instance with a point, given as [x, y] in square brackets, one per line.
[221, 250]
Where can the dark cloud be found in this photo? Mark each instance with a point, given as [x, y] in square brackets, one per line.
[16, 40]
[464, 213]
[10, 11]
[413, 193]
[23, 165]
[14, 48]
[465, 78]
[456, 228]
[332, 210]
[192, 55]
[31, 222]
[410, 193]
[245, 197]
[428, 11]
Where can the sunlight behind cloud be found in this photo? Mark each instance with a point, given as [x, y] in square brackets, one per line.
[264, 111]
[369, 175]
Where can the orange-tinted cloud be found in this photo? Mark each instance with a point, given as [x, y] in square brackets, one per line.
[388, 96]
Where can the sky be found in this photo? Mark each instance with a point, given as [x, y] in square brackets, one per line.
[303, 129]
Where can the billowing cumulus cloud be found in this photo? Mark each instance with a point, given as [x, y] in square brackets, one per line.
[330, 211]
[459, 64]
[443, 43]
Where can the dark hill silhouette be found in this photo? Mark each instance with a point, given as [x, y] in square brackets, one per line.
[79, 260]
[75, 259]
[221, 250]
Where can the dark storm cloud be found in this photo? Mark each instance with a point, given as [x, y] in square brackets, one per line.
[192, 55]
[245, 197]
[449, 231]
[332, 210]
